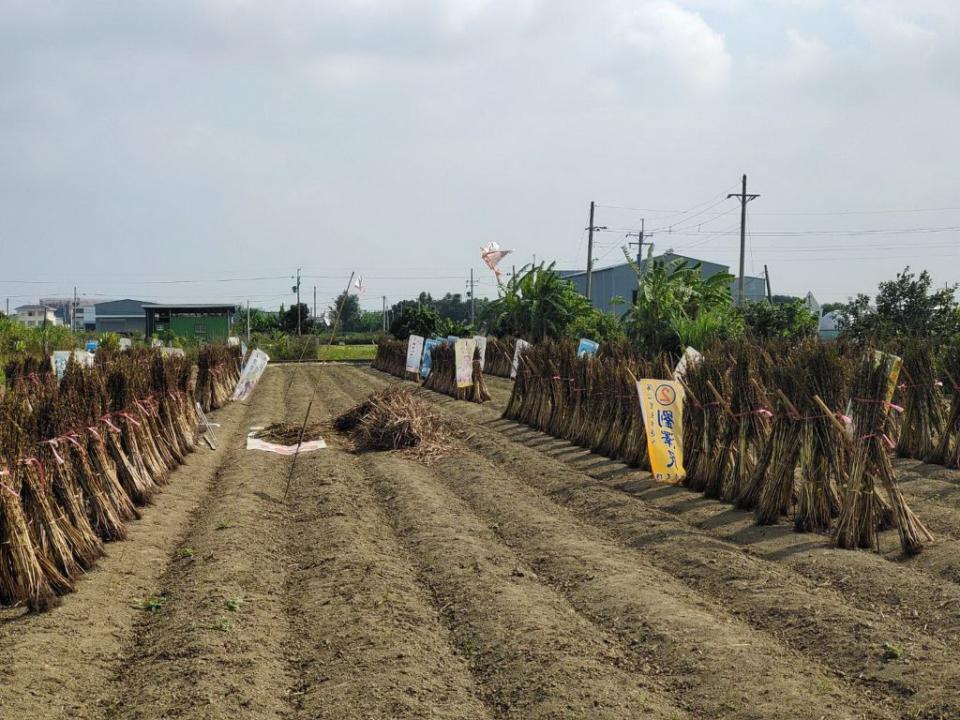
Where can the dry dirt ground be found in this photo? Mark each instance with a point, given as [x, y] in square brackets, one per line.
[519, 577]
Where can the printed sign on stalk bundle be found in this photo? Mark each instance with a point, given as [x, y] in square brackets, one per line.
[520, 346]
[463, 350]
[481, 341]
[661, 402]
[587, 348]
[414, 353]
[427, 361]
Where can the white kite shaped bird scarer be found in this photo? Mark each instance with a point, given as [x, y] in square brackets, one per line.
[491, 254]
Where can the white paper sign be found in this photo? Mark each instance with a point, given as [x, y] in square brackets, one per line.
[481, 341]
[250, 375]
[60, 358]
[690, 359]
[414, 353]
[520, 347]
[255, 443]
[463, 350]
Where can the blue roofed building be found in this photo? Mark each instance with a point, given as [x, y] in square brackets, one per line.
[620, 281]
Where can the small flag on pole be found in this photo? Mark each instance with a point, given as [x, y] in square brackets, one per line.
[358, 284]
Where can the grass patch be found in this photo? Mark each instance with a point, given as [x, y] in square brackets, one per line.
[151, 604]
[346, 352]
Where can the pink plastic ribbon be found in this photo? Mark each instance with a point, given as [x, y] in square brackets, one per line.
[53, 448]
[106, 420]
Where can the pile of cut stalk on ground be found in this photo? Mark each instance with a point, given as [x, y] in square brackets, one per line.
[396, 419]
[392, 358]
[801, 431]
[78, 458]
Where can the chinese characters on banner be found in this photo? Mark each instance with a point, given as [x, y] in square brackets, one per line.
[661, 402]
[463, 350]
[518, 349]
[414, 353]
[587, 348]
[481, 341]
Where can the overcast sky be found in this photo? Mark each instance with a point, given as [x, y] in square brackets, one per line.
[222, 139]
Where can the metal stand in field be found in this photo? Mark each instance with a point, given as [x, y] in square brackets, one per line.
[296, 454]
[207, 432]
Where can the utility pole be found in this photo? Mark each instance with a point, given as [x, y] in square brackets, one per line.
[744, 199]
[73, 313]
[590, 256]
[248, 323]
[314, 302]
[590, 230]
[384, 313]
[296, 289]
[639, 235]
[766, 274]
[473, 301]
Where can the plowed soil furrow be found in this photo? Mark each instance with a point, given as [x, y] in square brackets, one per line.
[535, 655]
[911, 589]
[696, 648]
[63, 664]
[196, 657]
[860, 644]
[369, 643]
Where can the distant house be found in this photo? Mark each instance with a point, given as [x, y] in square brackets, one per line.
[35, 315]
[124, 317]
[206, 323]
[620, 281]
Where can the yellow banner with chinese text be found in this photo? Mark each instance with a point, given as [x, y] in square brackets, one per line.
[661, 402]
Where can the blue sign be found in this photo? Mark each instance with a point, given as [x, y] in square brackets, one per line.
[92, 346]
[427, 360]
[587, 348]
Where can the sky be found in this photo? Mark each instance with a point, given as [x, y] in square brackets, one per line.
[203, 150]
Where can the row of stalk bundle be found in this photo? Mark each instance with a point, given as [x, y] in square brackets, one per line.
[391, 358]
[800, 431]
[79, 457]
[498, 357]
[592, 402]
[218, 369]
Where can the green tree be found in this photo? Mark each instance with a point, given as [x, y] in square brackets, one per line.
[674, 299]
[537, 304]
[597, 325]
[287, 319]
[904, 307]
[785, 320]
[349, 315]
[415, 320]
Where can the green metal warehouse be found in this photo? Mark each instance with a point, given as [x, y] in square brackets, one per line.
[208, 323]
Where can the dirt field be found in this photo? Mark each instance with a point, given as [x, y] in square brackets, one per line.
[520, 577]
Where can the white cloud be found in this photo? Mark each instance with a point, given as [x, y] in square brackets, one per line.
[663, 31]
[891, 25]
[802, 58]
